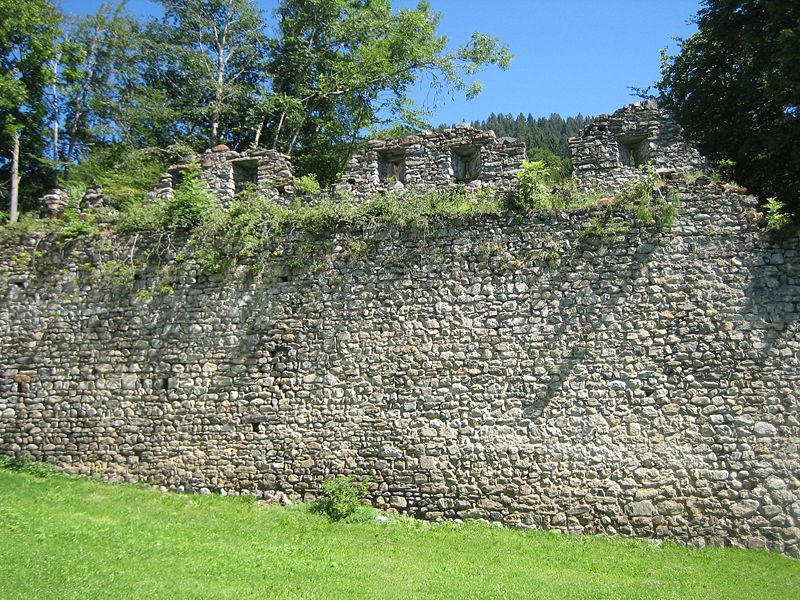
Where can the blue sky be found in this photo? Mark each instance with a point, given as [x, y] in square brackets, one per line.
[570, 56]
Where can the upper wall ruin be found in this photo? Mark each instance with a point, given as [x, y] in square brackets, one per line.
[228, 172]
[611, 149]
[606, 155]
[465, 156]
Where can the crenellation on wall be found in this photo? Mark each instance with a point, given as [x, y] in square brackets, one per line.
[495, 367]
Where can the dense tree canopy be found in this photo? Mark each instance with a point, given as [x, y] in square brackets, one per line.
[27, 46]
[735, 88]
[311, 83]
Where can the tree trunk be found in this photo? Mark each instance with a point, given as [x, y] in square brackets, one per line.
[293, 140]
[258, 133]
[278, 130]
[14, 215]
[56, 110]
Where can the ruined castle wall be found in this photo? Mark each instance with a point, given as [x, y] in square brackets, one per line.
[610, 151]
[227, 172]
[490, 368]
[472, 158]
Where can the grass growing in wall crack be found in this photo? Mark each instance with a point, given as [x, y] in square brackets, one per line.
[76, 538]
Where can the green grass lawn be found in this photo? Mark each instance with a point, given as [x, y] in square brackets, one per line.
[64, 537]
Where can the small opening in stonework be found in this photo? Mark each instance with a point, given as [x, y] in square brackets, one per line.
[245, 174]
[351, 181]
[256, 427]
[163, 384]
[634, 151]
[465, 162]
[392, 166]
[177, 178]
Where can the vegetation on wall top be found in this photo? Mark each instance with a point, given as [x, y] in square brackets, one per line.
[735, 89]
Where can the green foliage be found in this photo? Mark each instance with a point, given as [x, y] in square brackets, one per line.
[339, 67]
[28, 32]
[307, 184]
[343, 496]
[117, 274]
[190, 203]
[734, 89]
[244, 230]
[76, 225]
[27, 466]
[126, 174]
[644, 198]
[533, 191]
[603, 226]
[724, 170]
[778, 220]
[539, 187]
[202, 70]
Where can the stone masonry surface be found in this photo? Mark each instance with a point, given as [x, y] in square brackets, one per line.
[493, 368]
[473, 158]
[609, 152]
[227, 172]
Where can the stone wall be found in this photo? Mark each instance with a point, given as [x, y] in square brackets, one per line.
[464, 156]
[228, 172]
[610, 150]
[492, 368]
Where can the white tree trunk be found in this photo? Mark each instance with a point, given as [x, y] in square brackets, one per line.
[56, 110]
[13, 196]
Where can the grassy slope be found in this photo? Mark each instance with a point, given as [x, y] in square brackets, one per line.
[72, 538]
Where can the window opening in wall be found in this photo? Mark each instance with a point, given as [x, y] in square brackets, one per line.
[465, 162]
[178, 175]
[392, 166]
[634, 151]
[256, 427]
[245, 174]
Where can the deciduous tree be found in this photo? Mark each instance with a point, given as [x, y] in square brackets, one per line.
[27, 44]
[735, 88]
[340, 66]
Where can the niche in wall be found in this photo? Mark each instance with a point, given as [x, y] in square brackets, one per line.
[634, 150]
[178, 175]
[245, 174]
[392, 166]
[465, 162]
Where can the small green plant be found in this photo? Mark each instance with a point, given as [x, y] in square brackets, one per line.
[24, 465]
[117, 274]
[603, 226]
[343, 496]
[76, 225]
[778, 220]
[551, 252]
[532, 191]
[307, 185]
[191, 201]
[724, 171]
